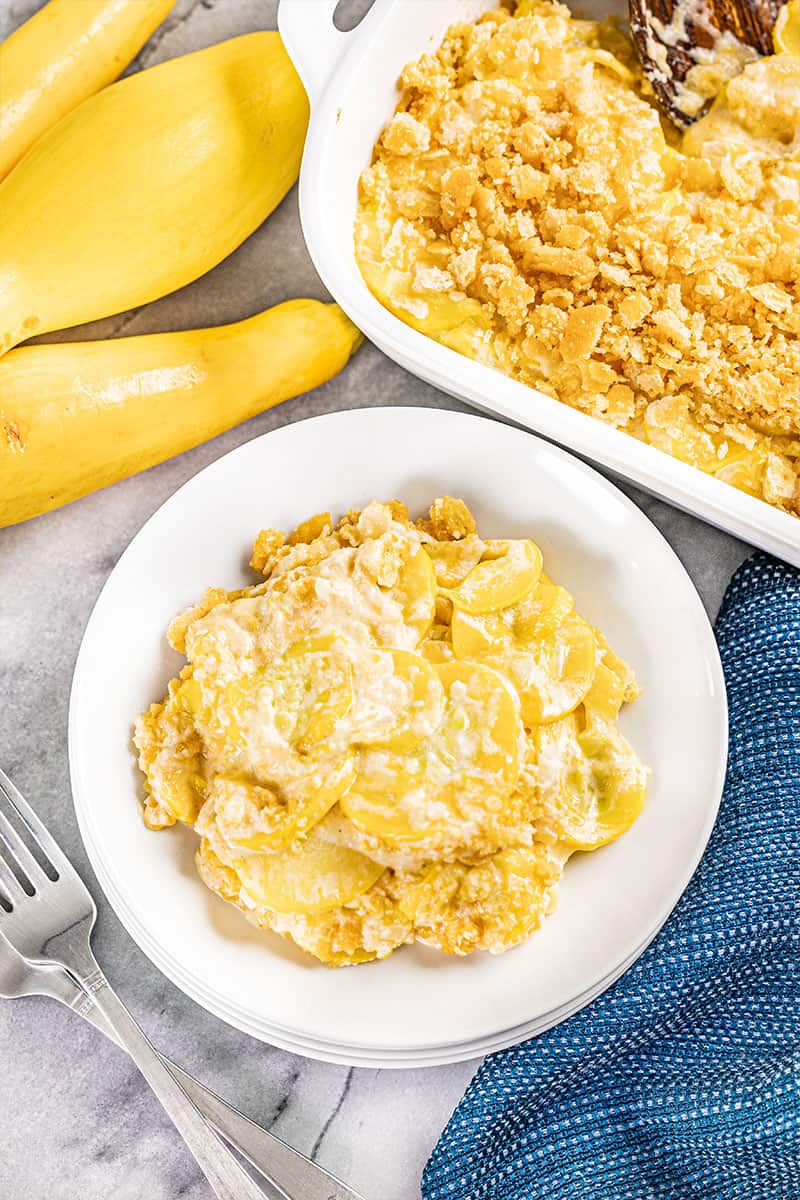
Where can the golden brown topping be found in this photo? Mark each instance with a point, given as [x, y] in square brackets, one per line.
[525, 208]
[449, 520]
[265, 550]
[308, 531]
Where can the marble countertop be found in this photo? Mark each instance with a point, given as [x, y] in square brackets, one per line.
[77, 1118]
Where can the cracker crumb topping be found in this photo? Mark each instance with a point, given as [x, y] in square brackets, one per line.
[525, 207]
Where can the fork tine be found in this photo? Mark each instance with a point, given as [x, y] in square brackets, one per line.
[46, 843]
[10, 885]
[12, 847]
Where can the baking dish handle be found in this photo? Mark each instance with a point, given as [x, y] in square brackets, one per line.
[312, 40]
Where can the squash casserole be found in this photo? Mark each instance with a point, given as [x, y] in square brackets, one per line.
[400, 733]
[526, 207]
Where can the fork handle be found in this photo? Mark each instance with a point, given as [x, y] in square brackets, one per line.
[286, 1169]
[227, 1177]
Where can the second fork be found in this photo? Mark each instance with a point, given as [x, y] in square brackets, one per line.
[47, 915]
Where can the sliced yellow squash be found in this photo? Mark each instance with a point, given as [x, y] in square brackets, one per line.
[535, 616]
[481, 730]
[256, 817]
[554, 674]
[606, 696]
[590, 782]
[415, 590]
[500, 581]
[786, 34]
[437, 651]
[453, 561]
[312, 878]
[546, 651]
[315, 691]
[466, 767]
[417, 699]
[307, 691]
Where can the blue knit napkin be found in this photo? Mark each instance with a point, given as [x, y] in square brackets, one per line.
[682, 1082]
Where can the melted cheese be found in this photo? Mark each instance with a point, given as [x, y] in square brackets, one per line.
[401, 733]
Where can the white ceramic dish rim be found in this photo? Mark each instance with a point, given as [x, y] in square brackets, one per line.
[350, 80]
[442, 423]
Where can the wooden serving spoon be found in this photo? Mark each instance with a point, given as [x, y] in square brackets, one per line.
[672, 36]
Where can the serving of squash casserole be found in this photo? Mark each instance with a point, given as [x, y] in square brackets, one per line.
[527, 207]
[401, 733]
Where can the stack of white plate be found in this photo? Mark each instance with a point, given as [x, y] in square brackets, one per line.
[419, 1007]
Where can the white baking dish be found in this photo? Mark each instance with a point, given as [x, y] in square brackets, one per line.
[351, 80]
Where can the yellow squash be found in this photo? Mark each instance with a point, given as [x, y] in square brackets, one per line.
[77, 416]
[786, 35]
[67, 51]
[148, 185]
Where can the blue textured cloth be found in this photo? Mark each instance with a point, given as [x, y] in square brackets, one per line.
[682, 1081]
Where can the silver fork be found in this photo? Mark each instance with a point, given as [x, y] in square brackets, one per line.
[288, 1171]
[47, 915]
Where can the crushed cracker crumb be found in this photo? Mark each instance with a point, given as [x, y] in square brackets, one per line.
[525, 208]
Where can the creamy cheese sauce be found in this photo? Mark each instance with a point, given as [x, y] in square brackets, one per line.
[359, 775]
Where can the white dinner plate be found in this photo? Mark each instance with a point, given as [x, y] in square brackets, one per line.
[349, 1056]
[625, 579]
[387, 1059]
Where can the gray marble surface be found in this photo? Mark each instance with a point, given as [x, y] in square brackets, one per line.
[77, 1119]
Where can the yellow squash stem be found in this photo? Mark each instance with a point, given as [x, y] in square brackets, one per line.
[77, 416]
[68, 50]
[148, 185]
